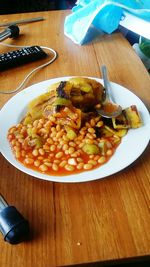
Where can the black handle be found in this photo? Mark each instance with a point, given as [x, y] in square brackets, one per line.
[13, 226]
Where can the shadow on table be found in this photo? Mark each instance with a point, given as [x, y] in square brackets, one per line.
[139, 262]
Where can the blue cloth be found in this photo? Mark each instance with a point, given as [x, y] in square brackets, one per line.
[104, 15]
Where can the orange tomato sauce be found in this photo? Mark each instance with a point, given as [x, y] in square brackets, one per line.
[59, 157]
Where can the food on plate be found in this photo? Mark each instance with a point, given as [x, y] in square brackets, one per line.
[129, 118]
[62, 132]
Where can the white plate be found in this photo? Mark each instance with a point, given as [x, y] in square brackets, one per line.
[131, 147]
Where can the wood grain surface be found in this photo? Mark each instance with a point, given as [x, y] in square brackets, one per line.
[75, 223]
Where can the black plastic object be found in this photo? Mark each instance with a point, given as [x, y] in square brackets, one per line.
[14, 29]
[11, 32]
[21, 57]
[13, 226]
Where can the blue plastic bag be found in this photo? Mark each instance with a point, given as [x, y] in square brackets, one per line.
[104, 15]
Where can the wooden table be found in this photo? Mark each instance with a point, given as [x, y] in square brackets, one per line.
[100, 221]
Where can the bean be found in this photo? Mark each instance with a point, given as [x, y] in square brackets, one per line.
[51, 155]
[47, 125]
[80, 138]
[46, 147]
[43, 131]
[79, 151]
[87, 125]
[91, 130]
[87, 166]
[89, 135]
[40, 158]
[55, 167]
[29, 161]
[35, 152]
[59, 155]
[55, 140]
[83, 129]
[63, 163]
[79, 160]
[72, 144]
[81, 145]
[71, 150]
[80, 165]
[69, 167]
[82, 132]
[59, 134]
[102, 160]
[53, 134]
[65, 138]
[59, 146]
[57, 161]
[99, 124]
[93, 162]
[98, 105]
[53, 129]
[52, 147]
[41, 151]
[46, 160]
[37, 163]
[49, 141]
[62, 142]
[43, 168]
[45, 136]
[49, 164]
[96, 157]
[109, 152]
[92, 122]
[35, 123]
[75, 154]
[58, 128]
[78, 142]
[89, 141]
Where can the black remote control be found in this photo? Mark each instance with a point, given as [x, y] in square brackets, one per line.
[21, 56]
